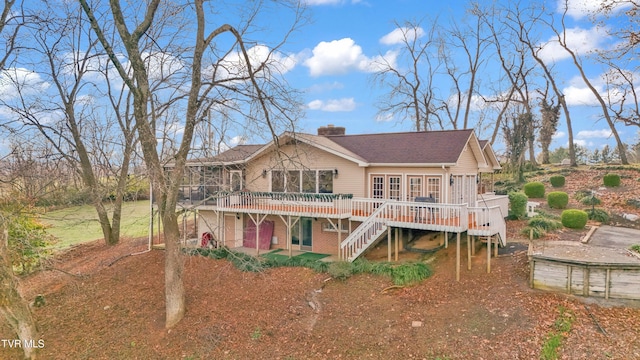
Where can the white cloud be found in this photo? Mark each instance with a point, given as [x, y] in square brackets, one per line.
[333, 105]
[161, 65]
[384, 117]
[14, 81]
[590, 134]
[559, 134]
[579, 142]
[238, 140]
[578, 9]
[399, 35]
[576, 96]
[234, 64]
[341, 56]
[477, 102]
[581, 41]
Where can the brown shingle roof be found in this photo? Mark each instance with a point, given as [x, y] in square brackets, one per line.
[237, 153]
[431, 147]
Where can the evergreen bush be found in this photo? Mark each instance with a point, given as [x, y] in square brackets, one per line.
[557, 181]
[598, 215]
[574, 218]
[611, 180]
[557, 199]
[518, 205]
[534, 190]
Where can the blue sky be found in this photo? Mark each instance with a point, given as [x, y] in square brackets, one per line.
[336, 49]
[332, 60]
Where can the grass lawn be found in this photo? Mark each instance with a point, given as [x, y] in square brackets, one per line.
[79, 224]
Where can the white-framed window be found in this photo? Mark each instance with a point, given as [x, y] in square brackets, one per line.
[306, 181]
[434, 188]
[235, 180]
[377, 187]
[327, 227]
[395, 188]
[415, 187]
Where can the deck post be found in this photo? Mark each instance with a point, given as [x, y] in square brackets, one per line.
[488, 254]
[446, 239]
[396, 243]
[473, 245]
[389, 244]
[468, 252]
[458, 257]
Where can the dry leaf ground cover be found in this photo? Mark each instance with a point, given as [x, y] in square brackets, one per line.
[99, 307]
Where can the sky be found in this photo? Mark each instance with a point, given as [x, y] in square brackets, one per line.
[332, 59]
[334, 65]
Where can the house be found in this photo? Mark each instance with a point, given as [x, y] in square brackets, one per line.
[339, 194]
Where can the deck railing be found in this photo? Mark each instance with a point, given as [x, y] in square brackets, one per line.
[432, 216]
[487, 221]
[299, 204]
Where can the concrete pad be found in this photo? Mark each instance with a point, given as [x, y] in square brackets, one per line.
[614, 237]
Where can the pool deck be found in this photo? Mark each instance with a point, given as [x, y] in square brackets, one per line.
[607, 245]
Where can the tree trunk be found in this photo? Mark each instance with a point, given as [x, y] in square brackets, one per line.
[174, 269]
[13, 307]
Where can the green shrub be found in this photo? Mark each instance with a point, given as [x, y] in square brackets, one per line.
[544, 223]
[340, 270]
[410, 273]
[534, 190]
[518, 205]
[534, 232]
[557, 181]
[28, 241]
[635, 248]
[581, 194]
[611, 180]
[633, 202]
[591, 200]
[598, 215]
[574, 218]
[557, 199]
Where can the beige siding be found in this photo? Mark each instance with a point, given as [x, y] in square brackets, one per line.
[467, 164]
[302, 156]
[208, 222]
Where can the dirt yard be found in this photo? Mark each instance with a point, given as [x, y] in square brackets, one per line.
[99, 307]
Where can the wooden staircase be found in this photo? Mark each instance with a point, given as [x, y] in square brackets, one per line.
[364, 236]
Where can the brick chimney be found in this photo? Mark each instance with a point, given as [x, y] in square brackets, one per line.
[331, 130]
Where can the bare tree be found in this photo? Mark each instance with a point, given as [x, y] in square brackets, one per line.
[13, 307]
[561, 35]
[410, 83]
[210, 81]
[77, 128]
[471, 40]
[522, 21]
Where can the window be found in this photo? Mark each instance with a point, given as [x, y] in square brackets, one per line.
[433, 188]
[277, 181]
[293, 181]
[306, 181]
[236, 180]
[378, 187]
[415, 187]
[394, 187]
[325, 181]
